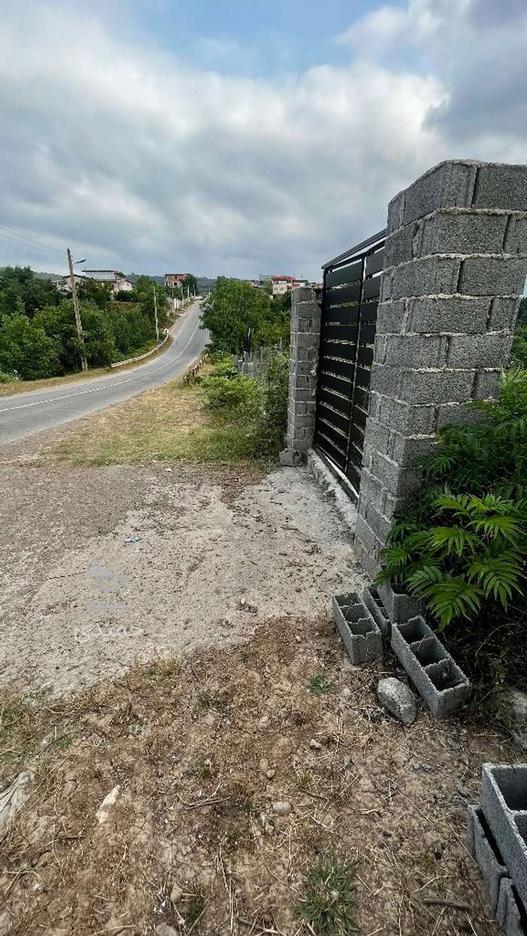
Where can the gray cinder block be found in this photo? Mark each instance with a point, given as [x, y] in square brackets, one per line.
[511, 913]
[399, 607]
[504, 802]
[437, 678]
[483, 848]
[375, 606]
[360, 634]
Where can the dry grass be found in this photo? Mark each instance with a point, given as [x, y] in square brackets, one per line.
[166, 424]
[200, 750]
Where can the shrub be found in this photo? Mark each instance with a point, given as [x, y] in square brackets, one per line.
[257, 405]
[465, 542]
[26, 349]
[475, 551]
[239, 394]
[463, 546]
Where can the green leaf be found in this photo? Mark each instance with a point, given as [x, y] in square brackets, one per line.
[498, 575]
[454, 598]
[451, 540]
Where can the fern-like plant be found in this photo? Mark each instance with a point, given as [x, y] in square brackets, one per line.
[474, 550]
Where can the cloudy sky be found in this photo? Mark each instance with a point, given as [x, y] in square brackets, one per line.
[240, 136]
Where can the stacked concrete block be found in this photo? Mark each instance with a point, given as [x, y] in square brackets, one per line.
[504, 803]
[375, 606]
[497, 840]
[454, 269]
[483, 848]
[435, 675]
[355, 624]
[303, 364]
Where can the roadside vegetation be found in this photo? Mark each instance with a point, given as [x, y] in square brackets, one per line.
[242, 318]
[38, 337]
[221, 415]
[462, 547]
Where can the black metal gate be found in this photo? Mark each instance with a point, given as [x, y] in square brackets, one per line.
[349, 318]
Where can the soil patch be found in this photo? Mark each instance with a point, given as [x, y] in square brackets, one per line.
[195, 752]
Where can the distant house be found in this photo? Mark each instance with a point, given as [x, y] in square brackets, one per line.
[284, 284]
[173, 280]
[116, 280]
[64, 283]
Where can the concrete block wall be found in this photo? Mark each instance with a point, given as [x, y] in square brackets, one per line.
[455, 267]
[303, 364]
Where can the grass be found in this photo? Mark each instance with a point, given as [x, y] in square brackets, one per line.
[329, 904]
[167, 424]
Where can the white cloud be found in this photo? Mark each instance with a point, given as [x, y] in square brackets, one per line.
[139, 160]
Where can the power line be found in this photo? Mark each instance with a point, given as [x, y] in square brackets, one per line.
[24, 241]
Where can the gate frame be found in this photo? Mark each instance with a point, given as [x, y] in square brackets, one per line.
[371, 246]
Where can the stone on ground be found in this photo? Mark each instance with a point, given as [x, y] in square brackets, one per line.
[398, 698]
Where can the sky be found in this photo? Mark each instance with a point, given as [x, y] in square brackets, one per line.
[240, 137]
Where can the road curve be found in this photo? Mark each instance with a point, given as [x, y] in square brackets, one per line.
[23, 414]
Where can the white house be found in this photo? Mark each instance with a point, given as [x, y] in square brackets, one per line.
[113, 278]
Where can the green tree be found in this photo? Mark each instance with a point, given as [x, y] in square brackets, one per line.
[235, 313]
[143, 293]
[26, 350]
[98, 294]
[58, 323]
[23, 292]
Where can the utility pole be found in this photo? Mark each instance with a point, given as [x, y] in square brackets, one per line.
[155, 312]
[78, 323]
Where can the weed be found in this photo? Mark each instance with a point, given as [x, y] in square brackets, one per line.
[320, 684]
[329, 904]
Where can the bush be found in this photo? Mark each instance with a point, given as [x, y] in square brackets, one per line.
[26, 349]
[519, 346]
[463, 547]
[475, 551]
[239, 394]
[257, 406]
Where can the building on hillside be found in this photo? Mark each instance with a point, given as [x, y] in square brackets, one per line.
[64, 283]
[282, 284]
[116, 280]
[173, 280]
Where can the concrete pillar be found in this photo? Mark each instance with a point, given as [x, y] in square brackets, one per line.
[454, 270]
[303, 363]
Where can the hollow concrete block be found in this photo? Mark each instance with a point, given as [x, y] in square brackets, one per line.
[440, 682]
[375, 606]
[356, 625]
[511, 913]
[399, 606]
[504, 803]
[483, 848]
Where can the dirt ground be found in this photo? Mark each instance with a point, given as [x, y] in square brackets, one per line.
[200, 750]
[105, 566]
[167, 642]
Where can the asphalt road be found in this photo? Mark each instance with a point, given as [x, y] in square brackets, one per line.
[25, 413]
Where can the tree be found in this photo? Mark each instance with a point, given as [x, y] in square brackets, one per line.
[26, 350]
[98, 294]
[143, 293]
[238, 315]
[23, 292]
[58, 323]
